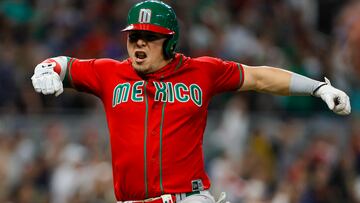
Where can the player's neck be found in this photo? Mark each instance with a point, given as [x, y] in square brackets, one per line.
[161, 65]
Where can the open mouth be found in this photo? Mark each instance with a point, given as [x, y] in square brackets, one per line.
[140, 56]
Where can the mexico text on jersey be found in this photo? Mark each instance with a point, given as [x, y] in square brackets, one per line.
[164, 92]
[157, 121]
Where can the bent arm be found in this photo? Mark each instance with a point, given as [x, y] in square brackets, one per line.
[83, 75]
[266, 79]
[282, 82]
[277, 81]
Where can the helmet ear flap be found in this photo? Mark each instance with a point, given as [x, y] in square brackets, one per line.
[169, 48]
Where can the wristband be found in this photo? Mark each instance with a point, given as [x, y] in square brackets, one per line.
[62, 61]
[301, 85]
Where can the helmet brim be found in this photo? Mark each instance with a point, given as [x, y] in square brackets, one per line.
[148, 27]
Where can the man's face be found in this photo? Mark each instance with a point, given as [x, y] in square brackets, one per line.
[145, 50]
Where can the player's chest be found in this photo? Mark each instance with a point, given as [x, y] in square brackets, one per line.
[176, 95]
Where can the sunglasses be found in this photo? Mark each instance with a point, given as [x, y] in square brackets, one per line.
[144, 35]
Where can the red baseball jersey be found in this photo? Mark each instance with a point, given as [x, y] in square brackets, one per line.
[156, 121]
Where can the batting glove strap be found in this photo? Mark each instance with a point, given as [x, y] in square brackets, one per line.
[316, 89]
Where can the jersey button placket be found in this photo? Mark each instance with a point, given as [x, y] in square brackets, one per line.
[151, 142]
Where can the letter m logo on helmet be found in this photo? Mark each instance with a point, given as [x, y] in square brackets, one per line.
[144, 15]
[155, 16]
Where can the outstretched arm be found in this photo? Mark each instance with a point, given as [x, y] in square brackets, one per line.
[282, 82]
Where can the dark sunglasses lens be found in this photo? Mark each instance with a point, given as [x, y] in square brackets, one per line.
[152, 37]
[149, 37]
[134, 37]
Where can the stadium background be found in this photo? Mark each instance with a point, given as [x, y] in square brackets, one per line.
[258, 147]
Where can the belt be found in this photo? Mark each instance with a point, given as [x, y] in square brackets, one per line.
[162, 199]
[168, 198]
[181, 196]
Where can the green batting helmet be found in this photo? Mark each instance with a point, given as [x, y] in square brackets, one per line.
[155, 16]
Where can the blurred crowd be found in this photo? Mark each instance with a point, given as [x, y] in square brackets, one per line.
[258, 147]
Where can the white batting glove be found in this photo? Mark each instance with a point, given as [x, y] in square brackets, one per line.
[337, 100]
[222, 198]
[45, 80]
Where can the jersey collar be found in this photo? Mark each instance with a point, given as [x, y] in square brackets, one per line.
[168, 69]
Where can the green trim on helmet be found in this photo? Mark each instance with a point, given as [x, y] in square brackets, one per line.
[159, 15]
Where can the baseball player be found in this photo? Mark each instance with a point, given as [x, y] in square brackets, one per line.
[156, 104]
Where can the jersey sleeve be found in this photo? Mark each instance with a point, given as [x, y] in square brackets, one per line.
[225, 75]
[84, 75]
